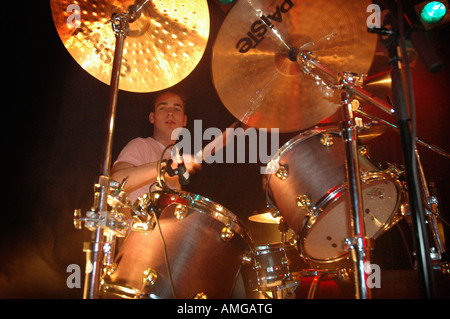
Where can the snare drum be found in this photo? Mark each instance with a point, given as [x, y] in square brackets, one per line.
[274, 265]
[309, 190]
[204, 245]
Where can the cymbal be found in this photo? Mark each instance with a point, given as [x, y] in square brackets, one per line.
[252, 66]
[371, 131]
[265, 218]
[378, 81]
[163, 46]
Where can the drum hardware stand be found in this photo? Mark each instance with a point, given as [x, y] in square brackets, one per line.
[100, 221]
[318, 277]
[431, 208]
[430, 201]
[283, 228]
[359, 244]
[287, 283]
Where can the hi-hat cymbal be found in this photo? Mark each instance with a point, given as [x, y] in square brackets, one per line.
[257, 77]
[265, 218]
[163, 46]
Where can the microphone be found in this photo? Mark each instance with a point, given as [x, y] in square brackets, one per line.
[182, 172]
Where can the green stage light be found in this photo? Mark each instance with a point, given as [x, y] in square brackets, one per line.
[225, 2]
[433, 12]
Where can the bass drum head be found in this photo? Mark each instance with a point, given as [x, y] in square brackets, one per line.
[322, 239]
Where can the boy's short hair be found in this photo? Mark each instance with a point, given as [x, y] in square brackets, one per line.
[174, 90]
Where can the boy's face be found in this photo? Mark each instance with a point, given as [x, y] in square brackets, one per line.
[168, 115]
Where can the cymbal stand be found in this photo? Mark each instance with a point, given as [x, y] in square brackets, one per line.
[104, 224]
[358, 245]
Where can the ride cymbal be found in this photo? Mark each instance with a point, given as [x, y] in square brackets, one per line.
[254, 64]
[163, 46]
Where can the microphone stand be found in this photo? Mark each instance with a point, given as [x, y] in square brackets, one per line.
[403, 102]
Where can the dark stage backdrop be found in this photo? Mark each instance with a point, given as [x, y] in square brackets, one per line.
[55, 114]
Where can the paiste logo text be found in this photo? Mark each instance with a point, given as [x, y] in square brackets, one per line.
[259, 28]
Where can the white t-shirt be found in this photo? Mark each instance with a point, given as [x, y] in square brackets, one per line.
[141, 151]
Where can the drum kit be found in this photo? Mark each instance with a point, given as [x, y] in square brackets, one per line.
[272, 66]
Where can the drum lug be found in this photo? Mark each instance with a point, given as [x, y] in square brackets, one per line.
[110, 269]
[363, 150]
[201, 295]
[344, 274]
[77, 219]
[274, 212]
[282, 172]
[304, 201]
[226, 234]
[181, 211]
[246, 259]
[327, 139]
[150, 277]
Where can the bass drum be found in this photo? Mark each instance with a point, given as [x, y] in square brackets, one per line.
[309, 190]
[201, 255]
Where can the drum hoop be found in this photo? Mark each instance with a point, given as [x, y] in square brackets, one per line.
[305, 135]
[395, 216]
[333, 195]
[119, 290]
[271, 281]
[272, 248]
[223, 215]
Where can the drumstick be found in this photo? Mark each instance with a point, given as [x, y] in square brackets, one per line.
[220, 142]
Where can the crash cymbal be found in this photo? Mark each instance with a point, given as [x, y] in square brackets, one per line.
[265, 218]
[163, 46]
[254, 69]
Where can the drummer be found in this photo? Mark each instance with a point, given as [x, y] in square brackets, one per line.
[138, 160]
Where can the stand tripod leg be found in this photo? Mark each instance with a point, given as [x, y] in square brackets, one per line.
[314, 286]
[94, 260]
[432, 205]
